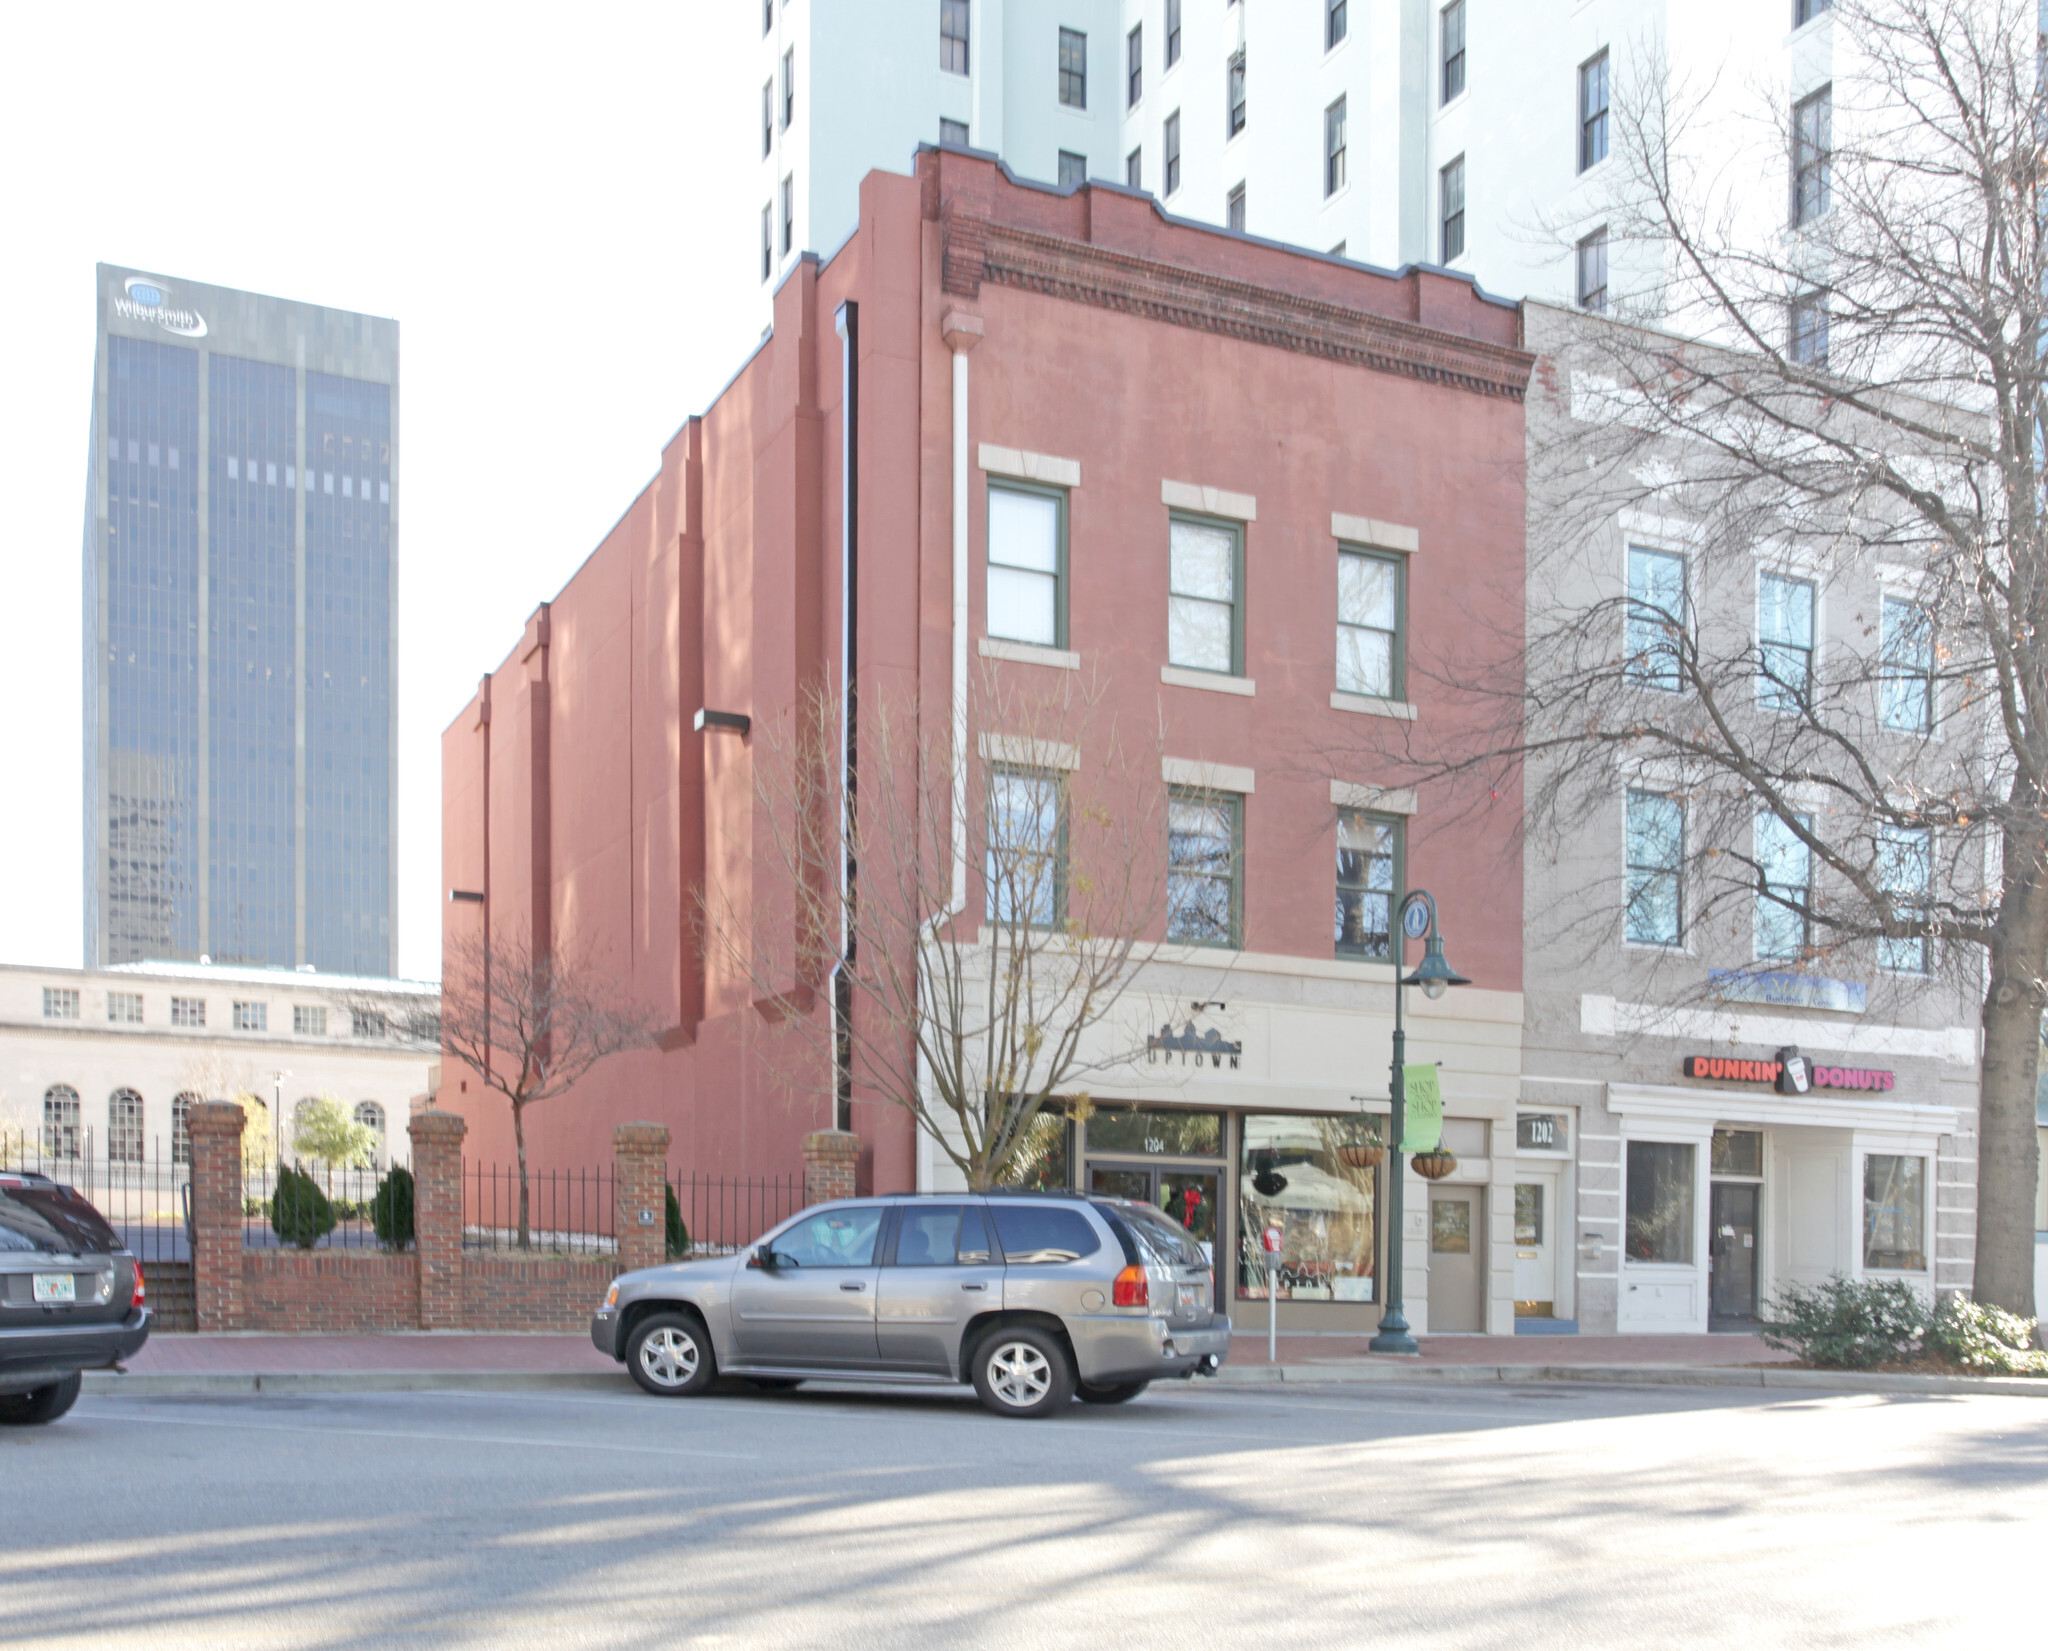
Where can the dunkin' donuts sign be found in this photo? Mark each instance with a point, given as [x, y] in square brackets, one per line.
[1776, 1073]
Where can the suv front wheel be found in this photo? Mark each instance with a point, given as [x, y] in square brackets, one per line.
[1021, 1370]
[670, 1355]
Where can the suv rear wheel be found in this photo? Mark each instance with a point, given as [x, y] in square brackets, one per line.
[1021, 1370]
[670, 1355]
[43, 1404]
[1110, 1393]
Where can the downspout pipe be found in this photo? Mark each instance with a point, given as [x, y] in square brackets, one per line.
[847, 322]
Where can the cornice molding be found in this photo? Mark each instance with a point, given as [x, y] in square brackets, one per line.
[977, 250]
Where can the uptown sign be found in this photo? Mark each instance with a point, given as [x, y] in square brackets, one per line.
[143, 300]
[1187, 1049]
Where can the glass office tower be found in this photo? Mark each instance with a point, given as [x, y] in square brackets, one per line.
[241, 560]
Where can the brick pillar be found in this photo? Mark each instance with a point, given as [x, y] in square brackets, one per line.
[640, 1160]
[216, 1132]
[437, 1215]
[829, 1159]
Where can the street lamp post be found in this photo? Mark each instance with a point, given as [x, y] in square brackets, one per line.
[277, 1120]
[1414, 919]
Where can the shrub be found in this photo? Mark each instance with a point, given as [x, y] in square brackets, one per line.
[391, 1209]
[678, 1234]
[1985, 1339]
[300, 1212]
[1846, 1323]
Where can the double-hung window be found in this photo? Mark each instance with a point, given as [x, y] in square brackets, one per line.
[1905, 872]
[252, 1017]
[1451, 194]
[1784, 901]
[1204, 613]
[1233, 209]
[1204, 866]
[1335, 142]
[1812, 156]
[788, 87]
[188, 1011]
[1073, 69]
[1336, 23]
[1369, 604]
[1805, 11]
[788, 214]
[1452, 34]
[767, 118]
[1134, 66]
[1170, 150]
[1593, 112]
[1172, 32]
[1073, 169]
[767, 241]
[1027, 541]
[1784, 631]
[1234, 114]
[1026, 865]
[1806, 338]
[124, 1008]
[953, 36]
[1592, 271]
[1906, 685]
[309, 1020]
[1656, 617]
[60, 1003]
[953, 133]
[1134, 168]
[1655, 883]
[1368, 874]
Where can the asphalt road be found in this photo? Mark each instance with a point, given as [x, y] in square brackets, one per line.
[1195, 1517]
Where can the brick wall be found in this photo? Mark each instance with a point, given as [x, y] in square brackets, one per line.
[329, 1292]
[503, 1292]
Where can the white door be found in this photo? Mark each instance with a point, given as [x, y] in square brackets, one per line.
[1535, 1243]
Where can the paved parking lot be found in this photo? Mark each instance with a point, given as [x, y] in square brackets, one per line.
[1558, 1515]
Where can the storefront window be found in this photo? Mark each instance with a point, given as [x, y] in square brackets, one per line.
[1894, 1213]
[1156, 1131]
[1041, 1162]
[1737, 1152]
[1529, 1213]
[1291, 1177]
[1660, 1203]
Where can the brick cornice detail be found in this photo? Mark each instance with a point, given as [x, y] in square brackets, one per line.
[978, 251]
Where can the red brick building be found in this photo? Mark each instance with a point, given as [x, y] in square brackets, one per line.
[1328, 457]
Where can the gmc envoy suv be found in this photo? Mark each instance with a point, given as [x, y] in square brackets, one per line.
[1035, 1298]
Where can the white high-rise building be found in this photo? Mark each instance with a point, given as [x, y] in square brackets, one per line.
[1474, 134]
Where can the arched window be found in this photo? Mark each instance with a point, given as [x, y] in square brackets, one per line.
[370, 1114]
[181, 1126]
[60, 1121]
[124, 1127]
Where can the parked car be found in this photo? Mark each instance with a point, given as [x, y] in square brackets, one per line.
[71, 1297]
[1035, 1298]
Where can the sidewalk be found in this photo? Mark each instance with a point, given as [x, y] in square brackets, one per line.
[482, 1361]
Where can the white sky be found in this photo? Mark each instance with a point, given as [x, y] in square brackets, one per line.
[516, 185]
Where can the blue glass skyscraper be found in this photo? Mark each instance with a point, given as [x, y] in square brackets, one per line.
[241, 689]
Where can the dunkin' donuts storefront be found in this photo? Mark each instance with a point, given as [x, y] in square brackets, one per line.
[1756, 1172]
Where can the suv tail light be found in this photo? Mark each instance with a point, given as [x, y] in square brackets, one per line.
[1132, 1289]
[140, 1294]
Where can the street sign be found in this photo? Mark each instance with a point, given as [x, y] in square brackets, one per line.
[1415, 921]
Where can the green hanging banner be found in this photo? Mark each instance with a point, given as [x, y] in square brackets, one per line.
[1425, 1102]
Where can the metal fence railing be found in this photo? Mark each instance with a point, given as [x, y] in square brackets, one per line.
[723, 1213]
[569, 1211]
[341, 1218]
[142, 1188]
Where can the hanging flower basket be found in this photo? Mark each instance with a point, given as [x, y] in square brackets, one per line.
[1435, 1165]
[1360, 1154]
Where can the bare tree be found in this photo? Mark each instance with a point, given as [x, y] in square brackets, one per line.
[531, 1023]
[1856, 399]
[977, 987]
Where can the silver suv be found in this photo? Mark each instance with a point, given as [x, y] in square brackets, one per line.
[1035, 1298]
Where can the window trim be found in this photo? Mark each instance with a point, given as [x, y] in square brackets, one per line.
[1399, 825]
[1399, 672]
[1630, 867]
[1925, 1222]
[1173, 42]
[1445, 58]
[1601, 61]
[1237, 592]
[1336, 24]
[1336, 156]
[1062, 502]
[1811, 305]
[1169, 149]
[1233, 801]
[1819, 164]
[788, 88]
[1134, 65]
[1235, 113]
[1452, 167]
[767, 117]
[1134, 168]
[1593, 240]
[1234, 209]
[947, 12]
[1081, 75]
[1080, 172]
[788, 213]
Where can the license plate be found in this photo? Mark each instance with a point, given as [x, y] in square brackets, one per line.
[56, 1287]
[1190, 1297]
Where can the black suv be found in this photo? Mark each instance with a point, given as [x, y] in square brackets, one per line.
[70, 1297]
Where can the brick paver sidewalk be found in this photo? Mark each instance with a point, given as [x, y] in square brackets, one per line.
[465, 1352]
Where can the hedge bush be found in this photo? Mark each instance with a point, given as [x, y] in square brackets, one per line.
[300, 1213]
[1846, 1323]
[391, 1209]
[1985, 1339]
[678, 1235]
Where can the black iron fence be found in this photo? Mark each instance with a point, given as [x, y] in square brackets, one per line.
[568, 1211]
[141, 1189]
[317, 1206]
[724, 1213]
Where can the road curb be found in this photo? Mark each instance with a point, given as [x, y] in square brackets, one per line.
[1652, 1375]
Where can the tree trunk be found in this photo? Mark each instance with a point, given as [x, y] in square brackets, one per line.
[519, 1140]
[2008, 1147]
